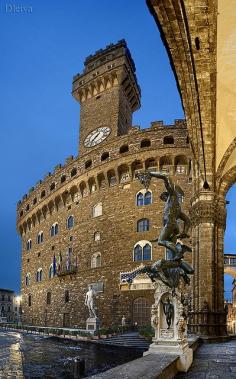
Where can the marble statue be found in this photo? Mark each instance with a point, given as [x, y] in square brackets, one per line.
[89, 302]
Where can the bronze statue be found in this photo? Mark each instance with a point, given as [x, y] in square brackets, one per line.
[168, 309]
[169, 270]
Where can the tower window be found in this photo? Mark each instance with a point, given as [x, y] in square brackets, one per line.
[97, 236]
[124, 149]
[70, 222]
[52, 186]
[29, 300]
[96, 260]
[35, 201]
[54, 229]
[51, 272]
[143, 225]
[168, 140]
[49, 298]
[27, 279]
[142, 251]
[145, 143]
[104, 156]
[43, 193]
[63, 178]
[197, 43]
[40, 238]
[67, 296]
[29, 245]
[97, 210]
[88, 164]
[73, 172]
[39, 275]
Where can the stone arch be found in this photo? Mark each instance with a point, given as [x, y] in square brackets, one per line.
[150, 163]
[83, 189]
[92, 185]
[111, 176]
[181, 164]
[101, 180]
[166, 163]
[231, 271]
[227, 181]
[137, 165]
[73, 192]
[124, 173]
[225, 158]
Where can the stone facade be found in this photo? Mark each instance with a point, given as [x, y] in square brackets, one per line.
[7, 304]
[79, 226]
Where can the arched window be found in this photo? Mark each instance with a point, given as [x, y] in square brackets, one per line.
[97, 210]
[96, 260]
[43, 193]
[29, 300]
[143, 198]
[70, 222]
[145, 143]
[51, 272]
[168, 140]
[49, 298]
[54, 229]
[97, 236]
[39, 275]
[40, 237]
[27, 279]
[52, 186]
[143, 225]
[142, 251]
[29, 245]
[67, 296]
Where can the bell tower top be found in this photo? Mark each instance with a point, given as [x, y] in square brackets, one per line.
[108, 93]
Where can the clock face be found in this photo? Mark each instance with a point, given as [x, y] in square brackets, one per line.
[96, 136]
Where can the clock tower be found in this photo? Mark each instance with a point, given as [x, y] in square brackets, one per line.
[108, 93]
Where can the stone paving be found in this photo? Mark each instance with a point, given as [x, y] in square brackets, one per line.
[213, 361]
[10, 356]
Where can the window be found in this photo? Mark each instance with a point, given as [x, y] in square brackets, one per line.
[88, 164]
[124, 149]
[29, 300]
[39, 275]
[63, 178]
[142, 251]
[49, 298]
[52, 186]
[145, 143]
[143, 225]
[51, 272]
[54, 229]
[40, 237]
[29, 245]
[97, 210]
[67, 296]
[3, 297]
[27, 279]
[141, 311]
[35, 201]
[97, 236]
[73, 172]
[96, 260]
[27, 207]
[180, 169]
[104, 156]
[168, 140]
[70, 222]
[43, 193]
[143, 198]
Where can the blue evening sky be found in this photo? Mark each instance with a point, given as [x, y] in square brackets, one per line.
[40, 51]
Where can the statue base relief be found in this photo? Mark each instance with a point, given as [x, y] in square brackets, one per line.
[168, 317]
[92, 324]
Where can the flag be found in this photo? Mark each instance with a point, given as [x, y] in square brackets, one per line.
[54, 265]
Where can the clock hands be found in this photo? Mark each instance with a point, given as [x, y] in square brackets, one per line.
[92, 139]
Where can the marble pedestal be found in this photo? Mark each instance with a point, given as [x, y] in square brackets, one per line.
[172, 339]
[92, 324]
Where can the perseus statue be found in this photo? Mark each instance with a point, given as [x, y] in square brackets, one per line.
[169, 270]
[172, 212]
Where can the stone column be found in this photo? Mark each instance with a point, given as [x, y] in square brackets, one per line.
[208, 223]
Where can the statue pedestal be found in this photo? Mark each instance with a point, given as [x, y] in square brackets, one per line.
[92, 324]
[172, 338]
